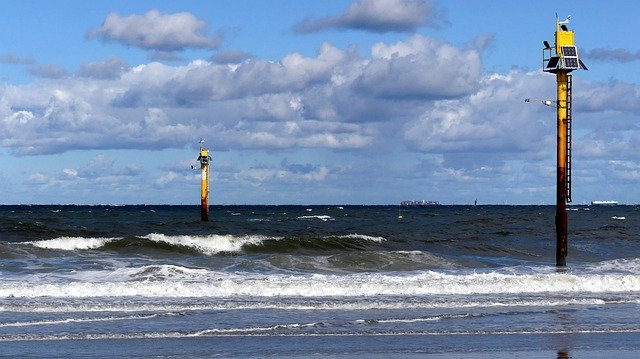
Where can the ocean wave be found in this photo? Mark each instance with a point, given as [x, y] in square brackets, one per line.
[163, 305]
[187, 282]
[618, 266]
[79, 320]
[71, 243]
[361, 236]
[213, 243]
[296, 330]
[208, 245]
[323, 218]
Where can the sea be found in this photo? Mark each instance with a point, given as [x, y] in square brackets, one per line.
[318, 281]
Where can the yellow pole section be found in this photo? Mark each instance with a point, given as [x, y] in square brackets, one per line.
[561, 185]
[204, 187]
[562, 77]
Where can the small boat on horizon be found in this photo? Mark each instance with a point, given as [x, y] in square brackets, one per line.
[604, 203]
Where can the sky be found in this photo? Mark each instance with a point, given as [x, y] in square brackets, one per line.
[312, 102]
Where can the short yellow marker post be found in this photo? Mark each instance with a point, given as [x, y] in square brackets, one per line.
[204, 159]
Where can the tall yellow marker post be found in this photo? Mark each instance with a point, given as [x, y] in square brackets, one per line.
[561, 60]
[204, 159]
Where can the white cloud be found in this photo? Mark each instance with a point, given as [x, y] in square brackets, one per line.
[420, 67]
[425, 94]
[16, 59]
[156, 31]
[110, 68]
[286, 172]
[48, 71]
[377, 16]
[492, 119]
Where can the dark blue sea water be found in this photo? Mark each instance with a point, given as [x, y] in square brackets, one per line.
[327, 281]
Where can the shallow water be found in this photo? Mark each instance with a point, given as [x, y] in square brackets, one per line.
[318, 280]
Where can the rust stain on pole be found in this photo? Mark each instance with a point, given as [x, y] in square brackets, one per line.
[561, 184]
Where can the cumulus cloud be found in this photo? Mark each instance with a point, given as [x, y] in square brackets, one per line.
[110, 68]
[231, 57]
[420, 67]
[101, 166]
[377, 16]
[48, 71]
[611, 55]
[16, 59]
[98, 174]
[492, 119]
[611, 96]
[156, 31]
[425, 94]
[285, 172]
[336, 100]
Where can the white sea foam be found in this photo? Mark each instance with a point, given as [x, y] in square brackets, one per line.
[198, 283]
[268, 331]
[211, 244]
[72, 243]
[622, 218]
[200, 304]
[413, 253]
[619, 265]
[320, 217]
[363, 237]
[77, 320]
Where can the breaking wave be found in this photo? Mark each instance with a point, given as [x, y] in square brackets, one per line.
[212, 244]
[323, 218]
[72, 243]
[176, 281]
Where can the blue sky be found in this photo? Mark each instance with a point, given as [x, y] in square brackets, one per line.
[311, 102]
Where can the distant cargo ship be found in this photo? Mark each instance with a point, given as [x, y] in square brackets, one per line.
[419, 203]
[604, 203]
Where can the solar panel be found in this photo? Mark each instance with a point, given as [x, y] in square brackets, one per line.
[569, 57]
[553, 62]
[582, 65]
[569, 51]
[571, 62]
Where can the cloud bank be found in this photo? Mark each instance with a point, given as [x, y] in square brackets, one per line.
[336, 100]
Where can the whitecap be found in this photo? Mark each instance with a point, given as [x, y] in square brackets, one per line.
[211, 244]
[71, 243]
[201, 283]
[363, 237]
[324, 218]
